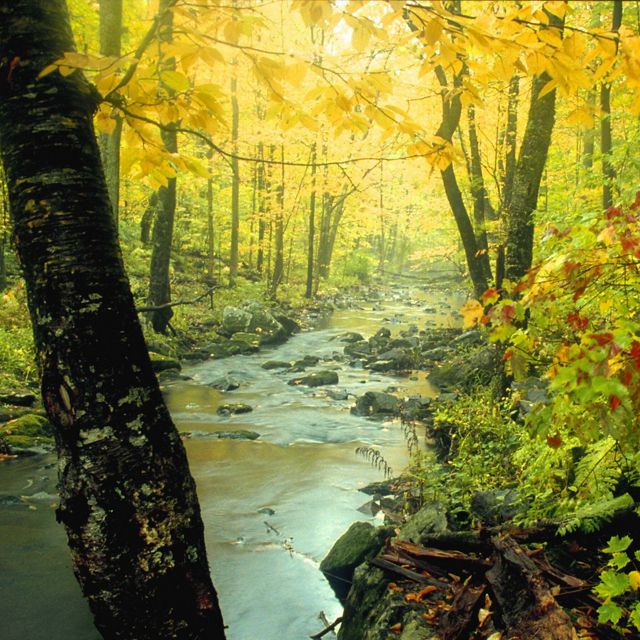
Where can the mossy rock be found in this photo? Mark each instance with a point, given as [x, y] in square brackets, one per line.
[162, 363]
[316, 379]
[30, 430]
[232, 408]
[276, 364]
[360, 542]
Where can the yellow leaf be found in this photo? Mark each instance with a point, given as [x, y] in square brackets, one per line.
[471, 313]
[548, 88]
[175, 80]
[634, 579]
[360, 38]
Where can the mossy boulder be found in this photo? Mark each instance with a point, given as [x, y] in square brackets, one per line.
[360, 542]
[276, 364]
[233, 408]
[316, 379]
[162, 363]
[30, 430]
[376, 404]
[431, 518]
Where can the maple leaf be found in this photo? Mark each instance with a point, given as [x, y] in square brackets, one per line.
[472, 312]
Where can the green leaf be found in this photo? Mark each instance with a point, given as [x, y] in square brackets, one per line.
[612, 584]
[617, 544]
[609, 612]
[619, 561]
[634, 616]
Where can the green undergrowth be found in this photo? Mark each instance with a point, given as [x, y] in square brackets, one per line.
[484, 445]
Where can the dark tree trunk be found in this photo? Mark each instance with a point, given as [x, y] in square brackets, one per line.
[110, 45]
[162, 237]
[481, 205]
[311, 238]
[278, 258]
[527, 178]
[235, 183]
[511, 136]
[127, 499]
[589, 134]
[451, 111]
[606, 141]
[148, 216]
[261, 209]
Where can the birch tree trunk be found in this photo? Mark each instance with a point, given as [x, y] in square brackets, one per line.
[127, 499]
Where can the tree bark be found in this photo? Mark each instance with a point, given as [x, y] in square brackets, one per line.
[110, 45]
[127, 499]
[451, 111]
[162, 236]
[235, 182]
[311, 238]
[606, 141]
[278, 258]
[481, 203]
[511, 137]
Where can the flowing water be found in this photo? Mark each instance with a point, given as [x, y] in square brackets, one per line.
[272, 507]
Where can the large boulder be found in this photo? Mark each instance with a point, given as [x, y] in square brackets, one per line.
[376, 403]
[431, 518]
[477, 368]
[234, 320]
[360, 542]
[263, 323]
[393, 360]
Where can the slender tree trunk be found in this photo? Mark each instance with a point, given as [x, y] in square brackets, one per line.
[606, 142]
[110, 45]
[235, 183]
[127, 499]
[511, 137]
[311, 238]
[589, 143]
[162, 236]
[479, 194]
[261, 209]
[451, 111]
[210, 234]
[4, 222]
[278, 260]
[146, 222]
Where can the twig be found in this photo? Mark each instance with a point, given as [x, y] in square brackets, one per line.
[326, 630]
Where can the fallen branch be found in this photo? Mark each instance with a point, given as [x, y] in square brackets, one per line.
[327, 629]
[178, 303]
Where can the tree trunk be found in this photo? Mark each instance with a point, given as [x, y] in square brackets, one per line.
[110, 45]
[451, 111]
[479, 194]
[278, 259]
[147, 219]
[311, 238]
[589, 134]
[511, 137]
[162, 237]
[127, 499]
[606, 142]
[527, 178]
[210, 237]
[235, 182]
[261, 209]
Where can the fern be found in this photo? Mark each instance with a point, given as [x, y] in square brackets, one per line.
[598, 472]
[375, 459]
[591, 516]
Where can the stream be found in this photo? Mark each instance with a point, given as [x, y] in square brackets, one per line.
[272, 507]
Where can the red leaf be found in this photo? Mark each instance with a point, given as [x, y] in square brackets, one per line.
[490, 296]
[508, 312]
[577, 322]
[613, 212]
[554, 441]
[614, 402]
[602, 338]
[635, 353]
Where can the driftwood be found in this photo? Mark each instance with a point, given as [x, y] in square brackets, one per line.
[327, 629]
[517, 589]
[527, 607]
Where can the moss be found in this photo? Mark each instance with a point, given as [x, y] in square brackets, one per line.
[30, 430]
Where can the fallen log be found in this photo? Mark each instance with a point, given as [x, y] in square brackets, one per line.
[461, 619]
[527, 607]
